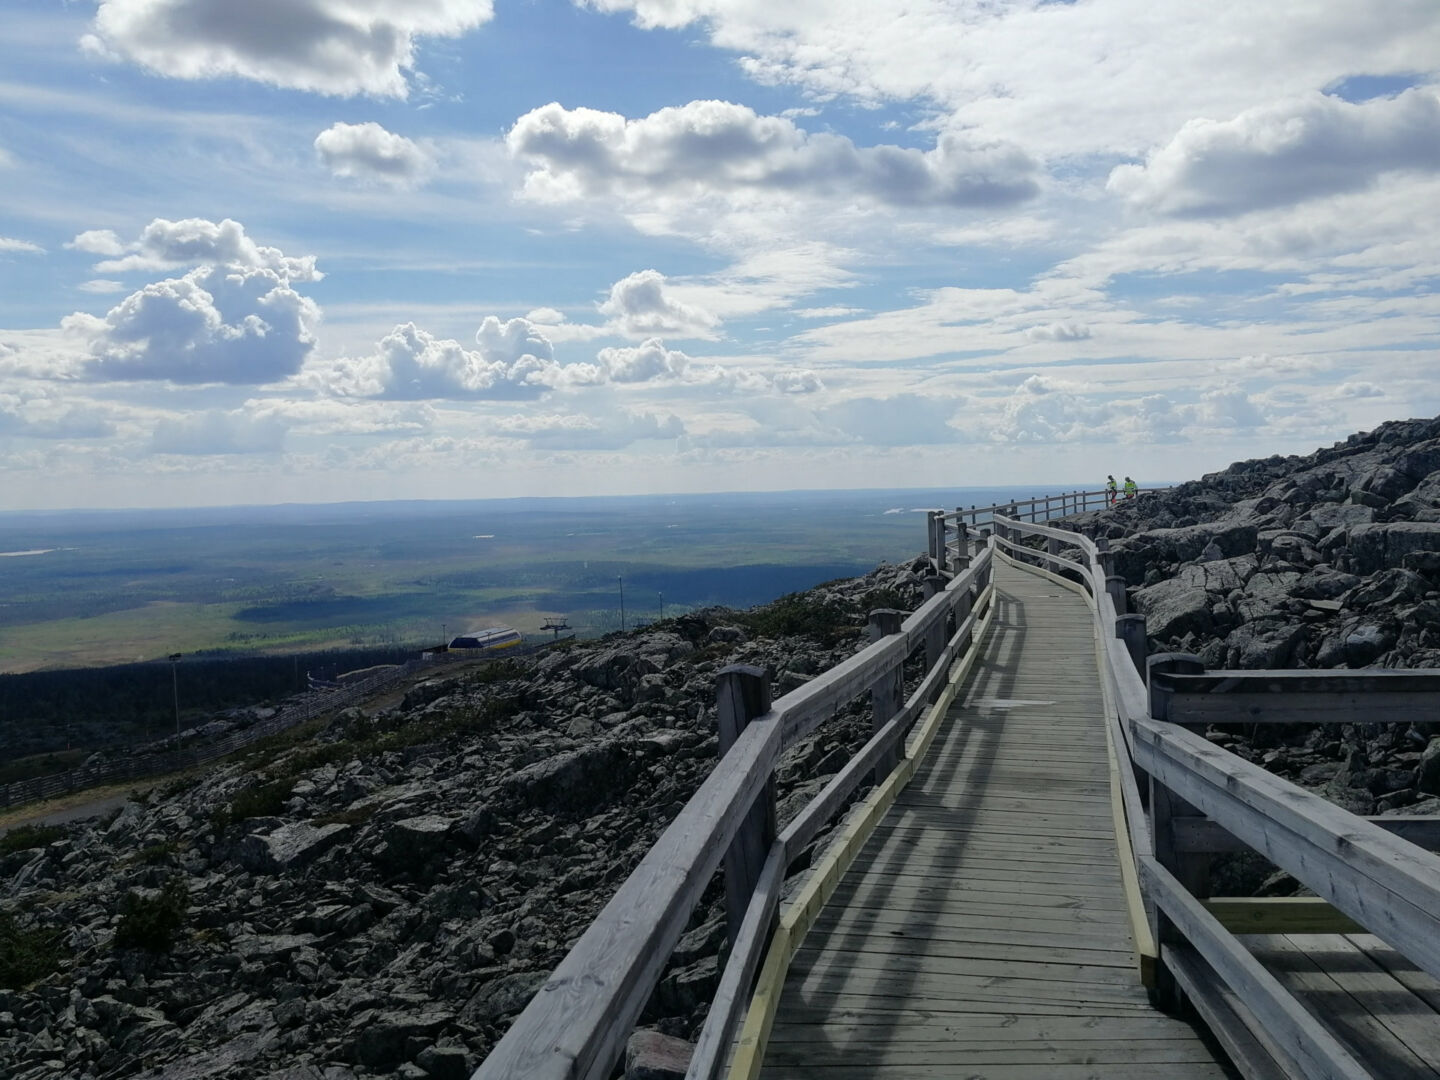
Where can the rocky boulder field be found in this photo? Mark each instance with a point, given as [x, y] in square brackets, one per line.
[1330, 560]
[380, 896]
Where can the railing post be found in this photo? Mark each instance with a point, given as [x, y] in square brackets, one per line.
[1105, 556]
[742, 692]
[930, 535]
[962, 533]
[1193, 871]
[935, 636]
[1131, 630]
[941, 551]
[1115, 586]
[888, 693]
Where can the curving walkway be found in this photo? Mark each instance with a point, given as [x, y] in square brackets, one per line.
[982, 932]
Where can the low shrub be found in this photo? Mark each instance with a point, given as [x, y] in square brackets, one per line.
[153, 923]
[27, 955]
[24, 837]
[798, 615]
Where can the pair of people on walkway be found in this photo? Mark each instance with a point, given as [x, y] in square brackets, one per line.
[1112, 491]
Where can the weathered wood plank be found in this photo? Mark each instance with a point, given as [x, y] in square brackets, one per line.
[1408, 1015]
[1244, 1040]
[1385, 884]
[1401, 970]
[1173, 1071]
[1280, 915]
[1298, 1034]
[970, 1057]
[726, 1007]
[1367, 1030]
[1202, 834]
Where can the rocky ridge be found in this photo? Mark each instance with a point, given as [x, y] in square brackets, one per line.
[1328, 560]
[380, 897]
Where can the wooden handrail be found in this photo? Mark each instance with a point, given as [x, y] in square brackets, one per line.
[1373, 871]
[577, 1023]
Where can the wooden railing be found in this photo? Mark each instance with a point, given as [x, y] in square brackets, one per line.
[1041, 508]
[1185, 798]
[577, 1024]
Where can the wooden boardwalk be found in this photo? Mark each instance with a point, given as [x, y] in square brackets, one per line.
[982, 932]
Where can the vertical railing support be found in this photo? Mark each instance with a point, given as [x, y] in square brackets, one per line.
[1115, 586]
[942, 552]
[742, 693]
[888, 694]
[1193, 871]
[1131, 630]
[930, 537]
[1104, 556]
[935, 637]
[962, 534]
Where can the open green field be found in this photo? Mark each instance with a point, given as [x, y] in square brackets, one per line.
[112, 587]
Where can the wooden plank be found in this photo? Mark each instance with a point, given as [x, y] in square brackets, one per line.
[1304, 707]
[1011, 948]
[1280, 915]
[1202, 834]
[1174, 1071]
[1228, 1019]
[1007, 972]
[1408, 1015]
[807, 1022]
[1283, 682]
[1401, 970]
[708, 1058]
[1385, 884]
[1298, 1034]
[1366, 1033]
[969, 1057]
[577, 1023]
[957, 928]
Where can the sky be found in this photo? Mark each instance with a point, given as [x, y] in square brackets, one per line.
[325, 250]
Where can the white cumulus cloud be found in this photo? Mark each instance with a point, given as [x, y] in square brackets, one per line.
[168, 245]
[341, 47]
[24, 246]
[720, 146]
[643, 363]
[369, 152]
[640, 306]
[513, 361]
[1284, 153]
[98, 242]
[215, 324]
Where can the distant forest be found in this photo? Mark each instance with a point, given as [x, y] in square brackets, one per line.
[45, 711]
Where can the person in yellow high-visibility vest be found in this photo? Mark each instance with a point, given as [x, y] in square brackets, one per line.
[1110, 491]
[1131, 488]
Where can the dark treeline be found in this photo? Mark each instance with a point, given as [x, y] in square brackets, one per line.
[44, 711]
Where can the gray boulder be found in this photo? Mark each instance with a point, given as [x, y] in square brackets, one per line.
[1376, 547]
[288, 847]
[651, 1055]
